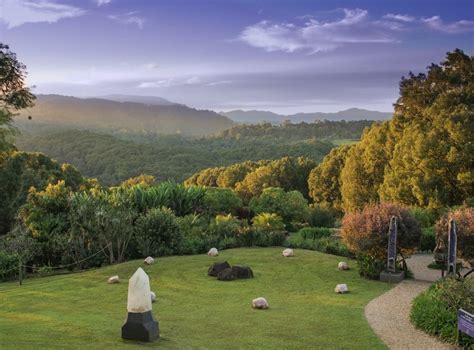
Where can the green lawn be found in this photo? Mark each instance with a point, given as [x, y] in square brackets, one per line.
[82, 311]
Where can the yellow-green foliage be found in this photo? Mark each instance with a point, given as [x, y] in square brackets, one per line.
[268, 222]
[424, 155]
[324, 181]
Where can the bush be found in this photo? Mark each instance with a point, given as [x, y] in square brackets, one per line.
[370, 267]
[314, 232]
[366, 232]
[196, 236]
[428, 240]
[435, 311]
[224, 226]
[221, 201]
[268, 222]
[273, 239]
[157, 233]
[290, 206]
[8, 265]
[464, 218]
[425, 217]
[321, 217]
[328, 245]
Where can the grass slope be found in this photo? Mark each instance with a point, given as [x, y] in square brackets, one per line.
[82, 311]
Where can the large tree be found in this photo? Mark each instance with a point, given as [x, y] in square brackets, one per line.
[14, 94]
[433, 160]
[363, 171]
[324, 181]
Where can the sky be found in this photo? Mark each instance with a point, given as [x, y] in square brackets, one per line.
[284, 56]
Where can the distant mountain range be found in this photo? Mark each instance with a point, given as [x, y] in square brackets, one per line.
[152, 114]
[255, 116]
[155, 115]
[148, 100]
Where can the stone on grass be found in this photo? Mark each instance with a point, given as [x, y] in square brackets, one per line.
[139, 300]
[213, 252]
[140, 325]
[288, 252]
[149, 260]
[260, 303]
[343, 266]
[217, 267]
[242, 271]
[226, 275]
[113, 279]
[341, 288]
[153, 296]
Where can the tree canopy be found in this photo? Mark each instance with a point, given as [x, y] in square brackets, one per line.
[14, 94]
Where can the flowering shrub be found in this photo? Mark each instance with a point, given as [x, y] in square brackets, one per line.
[366, 232]
[464, 218]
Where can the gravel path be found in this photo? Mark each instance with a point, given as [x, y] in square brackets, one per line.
[388, 315]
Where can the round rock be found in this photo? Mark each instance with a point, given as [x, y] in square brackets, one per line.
[343, 266]
[341, 289]
[113, 279]
[213, 252]
[288, 252]
[260, 303]
[149, 261]
[217, 267]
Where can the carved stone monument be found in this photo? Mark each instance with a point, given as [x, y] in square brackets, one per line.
[452, 247]
[140, 324]
[391, 274]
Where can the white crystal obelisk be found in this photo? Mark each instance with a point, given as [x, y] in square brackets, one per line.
[139, 300]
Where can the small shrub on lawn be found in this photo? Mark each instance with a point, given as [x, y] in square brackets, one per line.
[329, 245]
[228, 242]
[435, 311]
[8, 265]
[314, 232]
[274, 239]
[371, 267]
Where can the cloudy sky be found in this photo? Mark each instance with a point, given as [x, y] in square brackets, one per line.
[284, 56]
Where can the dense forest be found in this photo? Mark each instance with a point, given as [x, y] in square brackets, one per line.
[112, 158]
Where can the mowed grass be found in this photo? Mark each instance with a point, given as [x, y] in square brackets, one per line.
[195, 311]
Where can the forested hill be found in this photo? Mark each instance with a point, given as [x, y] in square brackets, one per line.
[113, 160]
[95, 113]
[351, 114]
[327, 130]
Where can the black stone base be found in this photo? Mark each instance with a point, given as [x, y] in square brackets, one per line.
[392, 277]
[141, 326]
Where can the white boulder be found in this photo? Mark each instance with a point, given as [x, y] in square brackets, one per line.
[153, 296]
[113, 279]
[260, 303]
[139, 300]
[149, 260]
[343, 266]
[288, 252]
[341, 288]
[213, 252]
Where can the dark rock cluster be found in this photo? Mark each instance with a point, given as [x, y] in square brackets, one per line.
[224, 272]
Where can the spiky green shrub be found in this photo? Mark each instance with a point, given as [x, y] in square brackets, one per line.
[435, 311]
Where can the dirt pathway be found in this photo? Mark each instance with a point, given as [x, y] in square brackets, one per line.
[389, 314]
